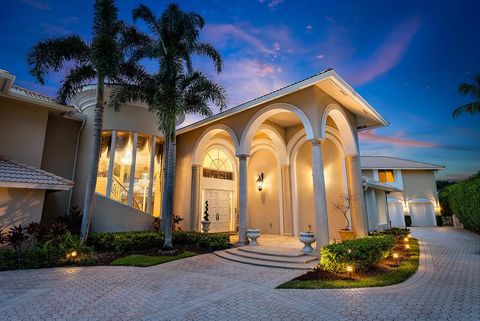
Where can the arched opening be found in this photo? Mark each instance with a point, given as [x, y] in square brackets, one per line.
[214, 179]
[300, 152]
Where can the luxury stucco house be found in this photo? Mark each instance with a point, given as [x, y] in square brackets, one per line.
[283, 163]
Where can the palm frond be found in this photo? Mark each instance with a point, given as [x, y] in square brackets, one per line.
[210, 51]
[76, 78]
[127, 93]
[471, 108]
[51, 54]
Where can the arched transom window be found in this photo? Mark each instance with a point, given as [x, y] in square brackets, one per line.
[217, 164]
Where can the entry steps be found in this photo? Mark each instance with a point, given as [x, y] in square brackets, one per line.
[276, 258]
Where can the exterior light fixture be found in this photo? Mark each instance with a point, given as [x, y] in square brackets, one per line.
[349, 270]
[395, 256]
[409, 236]
[260, 182]
[72, 254]
[406, 239]
[407, 246]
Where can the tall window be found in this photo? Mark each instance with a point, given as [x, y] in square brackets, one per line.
[386, 176]
[103, 163]
[131, 180]
[217, 164]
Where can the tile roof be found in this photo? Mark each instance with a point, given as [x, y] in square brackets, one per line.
[32, 94]
[387, 162]
[18, 175]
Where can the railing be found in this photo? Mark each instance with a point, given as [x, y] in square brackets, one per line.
[120, 193]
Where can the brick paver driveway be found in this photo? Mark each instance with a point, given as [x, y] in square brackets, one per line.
[209, 288]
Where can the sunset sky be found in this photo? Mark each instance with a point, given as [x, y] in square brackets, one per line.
[406, 58]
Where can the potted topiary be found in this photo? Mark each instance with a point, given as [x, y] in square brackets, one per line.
[205, 222]
[344, 207]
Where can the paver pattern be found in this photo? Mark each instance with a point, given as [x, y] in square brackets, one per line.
[447, 287]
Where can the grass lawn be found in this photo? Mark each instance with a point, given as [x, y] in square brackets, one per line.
[381, 277]
[148, 260]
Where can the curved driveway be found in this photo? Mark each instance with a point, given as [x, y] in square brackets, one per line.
[447, 287]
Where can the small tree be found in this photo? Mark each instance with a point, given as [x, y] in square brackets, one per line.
[343, 206]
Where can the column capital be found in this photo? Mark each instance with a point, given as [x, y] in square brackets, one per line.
[196, 165]
[242, 156]
[316, 141]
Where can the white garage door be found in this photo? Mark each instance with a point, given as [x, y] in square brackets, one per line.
[395, 211]
[422, 214]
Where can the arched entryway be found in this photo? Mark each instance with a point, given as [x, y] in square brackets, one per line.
[215, 179]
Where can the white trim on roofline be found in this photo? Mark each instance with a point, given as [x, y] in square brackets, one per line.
[60, 187]
[328, 74]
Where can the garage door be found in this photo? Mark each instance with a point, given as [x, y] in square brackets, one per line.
[395, 211]
[423, 214]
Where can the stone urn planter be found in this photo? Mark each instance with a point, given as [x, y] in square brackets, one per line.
[205, 226]
[307, 238]
[253, 235]
[347, 234]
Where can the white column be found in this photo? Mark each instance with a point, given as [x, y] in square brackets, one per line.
[194, 198]
[132, 169]
[111, 163]
[355, 191]
[320, 201]
[151, 176]
[243, 201]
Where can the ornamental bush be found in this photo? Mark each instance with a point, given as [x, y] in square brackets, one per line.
[122, 242]
[463, 199]
[362, 254]
[398, 232]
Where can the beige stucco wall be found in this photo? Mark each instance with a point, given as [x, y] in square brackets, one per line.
[22, 128]
[112, 216]
[58, 158]
[367, 173]
[264, 206]
[418, 184]
[20, 206]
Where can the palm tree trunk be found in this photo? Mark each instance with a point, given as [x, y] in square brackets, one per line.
[169, 191]
[94, 157]
[164, 194]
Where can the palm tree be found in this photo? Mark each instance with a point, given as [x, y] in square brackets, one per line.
[472, 90]
[176, 89]
[97, 61]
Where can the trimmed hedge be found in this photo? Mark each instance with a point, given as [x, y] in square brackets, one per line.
[122, 242]
[395, 231]
[362, 254]
[463, 199]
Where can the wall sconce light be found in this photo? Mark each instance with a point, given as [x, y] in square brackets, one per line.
[260, 182]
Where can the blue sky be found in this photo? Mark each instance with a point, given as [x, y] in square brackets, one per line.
[405, 57]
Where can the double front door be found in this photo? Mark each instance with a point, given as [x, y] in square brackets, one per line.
[219, 209]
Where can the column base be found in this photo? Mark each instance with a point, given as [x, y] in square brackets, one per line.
[241, 243]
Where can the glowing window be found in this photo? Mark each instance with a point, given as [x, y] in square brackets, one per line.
[386, 176]
[217, 164]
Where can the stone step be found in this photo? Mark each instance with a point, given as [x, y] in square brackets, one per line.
[281, 265]
[271, 252]
[303, 259]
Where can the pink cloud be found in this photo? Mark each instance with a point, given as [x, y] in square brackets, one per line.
[389, 53]
[398, 140]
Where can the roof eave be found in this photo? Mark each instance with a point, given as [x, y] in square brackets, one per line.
[55, 187]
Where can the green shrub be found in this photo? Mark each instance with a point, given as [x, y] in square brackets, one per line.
[463, 199]
[122, 242]
[362, 254]
[8, 260]
[395, 231]
[210, 242]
